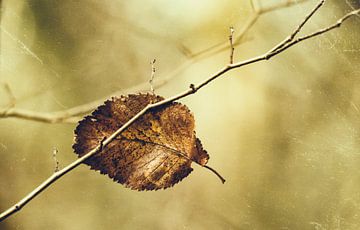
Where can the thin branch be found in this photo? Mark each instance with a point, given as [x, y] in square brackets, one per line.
[192, 89]
[72, 115]
[231, 45]
[12, 99]
[280, 5]
[300, 26]
[253, 7]
[316, 33]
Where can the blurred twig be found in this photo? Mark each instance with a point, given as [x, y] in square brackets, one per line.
[12, 99]
[258, 11]
[72, 115]
[282, 46]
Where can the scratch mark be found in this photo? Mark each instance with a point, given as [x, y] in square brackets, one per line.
[28, 50]
[355, 107]
[3, 146]
[23, 46]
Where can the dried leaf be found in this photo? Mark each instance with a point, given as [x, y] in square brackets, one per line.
[155, 152]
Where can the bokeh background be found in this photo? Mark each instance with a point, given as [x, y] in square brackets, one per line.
[284, 133]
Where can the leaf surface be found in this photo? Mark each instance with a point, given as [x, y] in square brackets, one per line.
[155, 152]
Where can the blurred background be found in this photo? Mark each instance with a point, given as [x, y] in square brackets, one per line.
[284, 133]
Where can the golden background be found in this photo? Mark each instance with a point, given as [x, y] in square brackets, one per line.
[284, 132]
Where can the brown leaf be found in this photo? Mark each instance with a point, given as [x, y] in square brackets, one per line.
[155, 152]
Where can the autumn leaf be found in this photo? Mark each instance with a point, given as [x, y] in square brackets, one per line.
[155, 152]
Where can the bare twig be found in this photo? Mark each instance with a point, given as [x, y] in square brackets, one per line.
[57, 164]
[300, 26]
[12, 99]
[192, 89]
[153, 70]
[253, 5]
[231, 45]
[280, 5]
[314, 34]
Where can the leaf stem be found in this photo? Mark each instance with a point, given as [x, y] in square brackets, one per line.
[216, 173]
